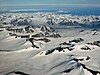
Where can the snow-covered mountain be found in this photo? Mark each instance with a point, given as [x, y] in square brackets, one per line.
[31, 45]
[42, 18]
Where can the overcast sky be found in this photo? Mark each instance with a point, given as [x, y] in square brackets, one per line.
[49, 2]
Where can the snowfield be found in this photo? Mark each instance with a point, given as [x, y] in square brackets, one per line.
[49, 44]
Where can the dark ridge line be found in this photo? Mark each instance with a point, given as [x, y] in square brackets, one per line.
[85, 48]
[96, 43]
[92, 71]
[59, 49]
[52, 50]
[18, 72]
[33, 45]
[77, 40]
[84, 66]
[68, 70]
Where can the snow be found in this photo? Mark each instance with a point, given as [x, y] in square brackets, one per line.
[74, 53]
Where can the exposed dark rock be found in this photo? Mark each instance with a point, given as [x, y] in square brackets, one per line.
[17, 30]
[32, 41]
[31, 30]
[47, 35]
[50, 22]
[65, 43]
[68, 23]
[14, 22]
[35, 46]
[82, 59]
[22, 36]
[38, 35]
[45, 28]
[76, 59]
[68, 44]
[69, 48]
[58, 49]
[97, 43]
[95, 33]
[12, 34]
[4, 23]
[25, 36]
[90, 70]
[90, 43]
[23, 21]
[17, 73]
[55, 35]
[82, 31]
[84, 66]
[68, 70]
[88, 58]
[77, 40]
[51, 51]
[86, 48]
[1, 30]
[27, 29]
[44, 39]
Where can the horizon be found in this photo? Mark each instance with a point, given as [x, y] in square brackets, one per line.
[84, 7]
[51, 7]
[48, 2]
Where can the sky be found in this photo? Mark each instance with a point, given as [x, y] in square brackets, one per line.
[49, 2]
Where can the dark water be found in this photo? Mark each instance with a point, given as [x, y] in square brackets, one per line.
[74, 10]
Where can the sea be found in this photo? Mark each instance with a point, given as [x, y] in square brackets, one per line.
[73, 10]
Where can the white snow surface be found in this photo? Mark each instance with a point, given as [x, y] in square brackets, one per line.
[76, 52]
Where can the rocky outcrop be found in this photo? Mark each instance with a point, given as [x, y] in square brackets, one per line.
[97, 43]
[45, 28]
[17, 73]
[86, 48]
[77, 40]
